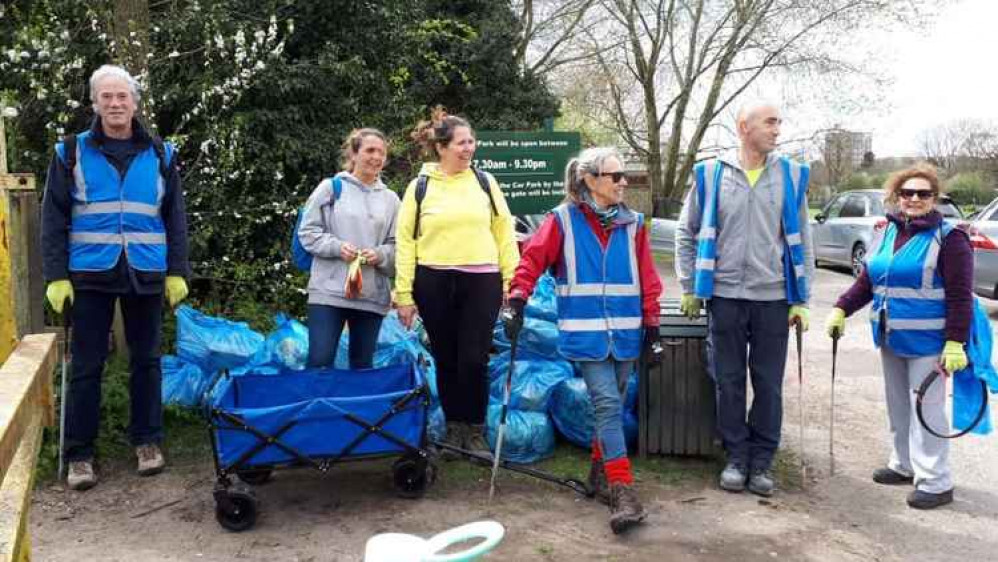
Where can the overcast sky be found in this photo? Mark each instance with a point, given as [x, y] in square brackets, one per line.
[949, 71]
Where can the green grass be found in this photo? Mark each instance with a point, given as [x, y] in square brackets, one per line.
[662, 258]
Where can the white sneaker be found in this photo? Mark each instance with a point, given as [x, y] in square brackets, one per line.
[150, 459]
[81, 475]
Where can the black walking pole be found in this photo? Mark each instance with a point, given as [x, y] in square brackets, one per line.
[502, 416]
[831, 416]
[799, 331]
[67, 321]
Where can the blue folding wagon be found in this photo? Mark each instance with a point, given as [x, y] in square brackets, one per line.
[316, 418]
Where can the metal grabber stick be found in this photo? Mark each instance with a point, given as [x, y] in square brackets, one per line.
[831, 412]
[67, 321]
[799, 331]
[502, 416]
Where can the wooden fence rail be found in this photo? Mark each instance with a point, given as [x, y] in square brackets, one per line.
[26, 406]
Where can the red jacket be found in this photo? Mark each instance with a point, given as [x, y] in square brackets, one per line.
[544, 248]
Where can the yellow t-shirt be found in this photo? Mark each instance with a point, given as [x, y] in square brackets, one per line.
[753, 175]
[458, 229]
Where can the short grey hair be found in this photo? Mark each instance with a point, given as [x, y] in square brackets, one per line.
[112, 71]
[589, 161]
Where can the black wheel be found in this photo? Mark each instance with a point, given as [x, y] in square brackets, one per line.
[255, 476]
[239, 514]
[412, 477]
[858, 259]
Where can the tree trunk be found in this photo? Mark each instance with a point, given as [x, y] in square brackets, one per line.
[130, 27]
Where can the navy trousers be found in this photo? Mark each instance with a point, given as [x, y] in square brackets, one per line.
[325, 326]
[93, 312]
[750, 334]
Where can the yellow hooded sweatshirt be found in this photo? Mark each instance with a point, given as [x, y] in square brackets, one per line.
[457, 228]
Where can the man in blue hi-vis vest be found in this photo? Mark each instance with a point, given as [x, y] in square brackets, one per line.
[113, 230]
[743, 245]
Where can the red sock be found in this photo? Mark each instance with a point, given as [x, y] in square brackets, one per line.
[596, 454]
[618, 471]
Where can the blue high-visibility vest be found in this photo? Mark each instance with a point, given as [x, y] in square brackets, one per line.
[708, 183]
[112, 213]
[909, 300]
[598, 290]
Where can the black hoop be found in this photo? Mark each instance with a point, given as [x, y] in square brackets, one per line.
[920, 394]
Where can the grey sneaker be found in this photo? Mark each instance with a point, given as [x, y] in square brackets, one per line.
[150, 459]
[81, 475]
[733, 478]
[890, 477]
[927, 500]
[760, 483]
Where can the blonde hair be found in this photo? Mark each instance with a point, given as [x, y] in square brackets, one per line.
[351, 145]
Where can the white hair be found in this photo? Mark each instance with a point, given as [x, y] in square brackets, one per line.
[588, 161]
[112, 71]
[750, 107]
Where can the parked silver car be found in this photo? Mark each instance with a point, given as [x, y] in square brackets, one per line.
[984, 234]
[843, 229]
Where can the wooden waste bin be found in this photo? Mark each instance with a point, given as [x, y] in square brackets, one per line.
[676, 400]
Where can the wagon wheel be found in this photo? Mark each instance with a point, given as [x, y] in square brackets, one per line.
[255, 476]
[412, 476]
[237, 512]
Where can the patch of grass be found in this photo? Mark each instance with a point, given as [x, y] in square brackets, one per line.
[675, 471]
[786, 469]
[663, 258]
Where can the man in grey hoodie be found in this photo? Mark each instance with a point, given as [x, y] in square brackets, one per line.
[743, 244]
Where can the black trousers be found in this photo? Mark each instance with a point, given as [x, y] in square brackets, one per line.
[93, 312]
[459, 310]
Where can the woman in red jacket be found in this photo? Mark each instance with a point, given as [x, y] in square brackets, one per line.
[607, 291]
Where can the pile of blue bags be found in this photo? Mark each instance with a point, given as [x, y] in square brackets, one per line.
[547, 397]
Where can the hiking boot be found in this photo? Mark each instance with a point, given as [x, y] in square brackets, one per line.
[81, 475]
[625, 509]
[150, 459]
[598, 483]
[476, 442]
[733, 478]
[927, 500]
[455, 437]
[891, 477]
[760, 483]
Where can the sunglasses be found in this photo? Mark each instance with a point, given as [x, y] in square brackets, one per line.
[615, 176]
[922, 194]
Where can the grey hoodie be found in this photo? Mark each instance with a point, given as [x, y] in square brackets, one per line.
[364, 215]
[749, 262]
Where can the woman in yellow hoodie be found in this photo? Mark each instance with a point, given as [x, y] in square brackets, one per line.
[455, 256]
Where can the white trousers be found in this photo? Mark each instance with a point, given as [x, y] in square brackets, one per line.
[916, 452]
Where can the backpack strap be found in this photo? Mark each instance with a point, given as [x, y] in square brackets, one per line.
[483, 180]
[164, 153]
[421, 183]
[337, 187]
[69, 152]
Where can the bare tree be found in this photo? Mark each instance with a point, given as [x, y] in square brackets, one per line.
[961, 145]
[675, 66]
[547, 29]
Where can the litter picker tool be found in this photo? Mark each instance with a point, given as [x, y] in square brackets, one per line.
[799, 332]
[67, 321]
[831, 415]
[502, 415]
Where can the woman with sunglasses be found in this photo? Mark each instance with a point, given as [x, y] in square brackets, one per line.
[607, 289]
[919, 276]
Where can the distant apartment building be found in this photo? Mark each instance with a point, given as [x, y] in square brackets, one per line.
[847, 147]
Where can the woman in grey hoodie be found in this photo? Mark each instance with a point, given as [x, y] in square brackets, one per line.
[358, 222]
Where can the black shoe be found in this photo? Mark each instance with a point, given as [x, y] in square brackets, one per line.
[891, 477]
[625, 508]
[927, 500]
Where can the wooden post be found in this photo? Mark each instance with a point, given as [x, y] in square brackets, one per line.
[8, 327]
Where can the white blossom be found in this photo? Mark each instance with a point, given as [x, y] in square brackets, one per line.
[173, 54]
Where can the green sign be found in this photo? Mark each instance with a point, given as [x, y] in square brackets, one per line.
[529, 166]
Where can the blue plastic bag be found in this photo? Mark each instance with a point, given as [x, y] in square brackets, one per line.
[572, 411]
[534, 379]
[538, 336]
[286, 346]
[214, 343]
[528, 437]
[183, 383]
[543, 304]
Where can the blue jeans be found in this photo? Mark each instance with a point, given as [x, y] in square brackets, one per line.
[749, 335]
[607, 384]
[325, 325]
[93, 312]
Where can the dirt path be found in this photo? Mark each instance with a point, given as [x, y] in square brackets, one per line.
[308, 518]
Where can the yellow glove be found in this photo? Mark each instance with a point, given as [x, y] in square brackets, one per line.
[835, 324]
[799, 314]
[176, 289]
[690, 306]
[954, 359]
[57, 292]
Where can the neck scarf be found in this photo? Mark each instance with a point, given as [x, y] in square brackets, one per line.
[605, 216]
